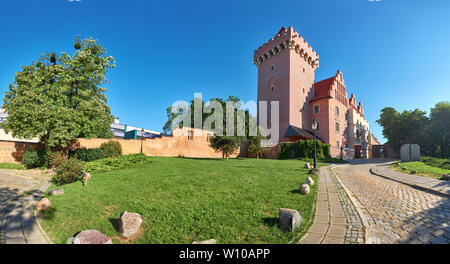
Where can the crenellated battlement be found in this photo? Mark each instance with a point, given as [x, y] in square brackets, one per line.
[286, 39]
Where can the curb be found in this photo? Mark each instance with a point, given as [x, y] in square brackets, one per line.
[410, 184]
[24, 203]
[367, 232]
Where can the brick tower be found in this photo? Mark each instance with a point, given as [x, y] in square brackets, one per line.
[286, 68]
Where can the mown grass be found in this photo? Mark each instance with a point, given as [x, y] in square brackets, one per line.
[421, 168]
[12, 166]
[182, 200]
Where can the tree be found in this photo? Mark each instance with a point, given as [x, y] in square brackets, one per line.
[60, 98]
[438, 132]
[227, 144]
[254, 144]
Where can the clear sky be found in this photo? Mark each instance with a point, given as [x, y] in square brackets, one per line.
[392, 52]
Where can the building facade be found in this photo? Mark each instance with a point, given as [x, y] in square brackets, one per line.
[286, 73]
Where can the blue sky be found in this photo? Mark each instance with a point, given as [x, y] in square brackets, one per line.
[392, 53]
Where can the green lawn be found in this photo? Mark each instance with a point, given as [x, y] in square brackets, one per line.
[422, 169]
[182, 200]
[12, 166]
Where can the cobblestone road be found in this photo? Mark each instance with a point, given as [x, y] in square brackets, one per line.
[397, 213]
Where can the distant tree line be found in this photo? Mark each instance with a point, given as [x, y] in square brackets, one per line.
[431, 132]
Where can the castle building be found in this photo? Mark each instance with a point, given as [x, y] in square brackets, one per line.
[286, 73]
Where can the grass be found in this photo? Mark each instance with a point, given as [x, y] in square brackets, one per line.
[182, 200]
[12, 166]
[422, 168]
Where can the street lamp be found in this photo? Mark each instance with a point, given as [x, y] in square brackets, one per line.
[142, 138]
[314, 127]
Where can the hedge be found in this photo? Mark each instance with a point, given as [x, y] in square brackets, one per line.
[304, 149]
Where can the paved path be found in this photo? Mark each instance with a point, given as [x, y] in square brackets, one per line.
[19, 193]
[397, 212]
[336, 220]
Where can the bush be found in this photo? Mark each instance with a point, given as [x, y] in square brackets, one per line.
[111, 149]
[34, 158]
[56, 159]
[121, 162]
[436, 162]
[304, 149]
[70, 170]
[87, 155]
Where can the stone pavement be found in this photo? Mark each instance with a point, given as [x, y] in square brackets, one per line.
[20, 191]
[336, 220]
[434, 185]
[397, 212]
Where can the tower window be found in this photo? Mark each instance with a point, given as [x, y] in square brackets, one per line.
[303, 89]
[337, 144]
[316, 109]
[272, 88]
[337, 126]
[271, 67]
[303, 69]
[337, 111]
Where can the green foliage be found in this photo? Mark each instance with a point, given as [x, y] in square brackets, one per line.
[34, 158]
[228, 145]
[254, 144]
[431, 133]
[111, 149]
[304, 149]
[87, 155]
[60, 98]
[56, 159]
[120, 162]
[68, 171]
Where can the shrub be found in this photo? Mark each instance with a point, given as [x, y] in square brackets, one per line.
[33, 158]
[304, 149]
[56, 159]
[120, 162]
[87, 155]
[111, 149]
[70, 170]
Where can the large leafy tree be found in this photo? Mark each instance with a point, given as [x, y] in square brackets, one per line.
[226, 144]
[438, 132]
[60, 98]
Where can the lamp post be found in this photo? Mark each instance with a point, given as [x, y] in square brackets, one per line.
[314, 127]
[142, 139]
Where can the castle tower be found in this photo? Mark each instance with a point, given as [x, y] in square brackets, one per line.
[286, 68]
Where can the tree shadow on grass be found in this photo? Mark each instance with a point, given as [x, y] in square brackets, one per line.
[296, 191]
[47, 214]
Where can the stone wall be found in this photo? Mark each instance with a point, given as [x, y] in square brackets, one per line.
[12, 151]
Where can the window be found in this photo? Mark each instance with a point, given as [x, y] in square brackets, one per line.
[337, 126]
[208, 137]
[318, 126]
[303, 89]
[316, 109]
[190, 135]
[272, 88]
[303, 69]
[271, 67]
[337, 144]
[337, 111]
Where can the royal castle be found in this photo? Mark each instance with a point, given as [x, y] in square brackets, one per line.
[286, 73]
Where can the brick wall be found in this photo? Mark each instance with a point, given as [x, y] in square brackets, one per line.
[179, 144]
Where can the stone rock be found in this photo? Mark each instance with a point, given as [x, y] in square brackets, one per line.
[309, 181]
[87, 177]
[91, 237]
[415, 152]
[289, 219]
[55, 192]
[446, 177]
[129, 223]
[404, 168]
[308, 165]
[304, 189]
[209, 241]
[314, 171]
[43, 204]
[413, 171]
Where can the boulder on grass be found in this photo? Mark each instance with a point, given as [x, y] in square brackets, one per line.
[404, 168]
[413, 171]
[308, 165]
[289, 219]
[309, 181]
[91, 237]
[55, 192]
[209, 241]
[446, 177]
[304, 189]
[314, 171]
[43, 204]
[129, 223]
